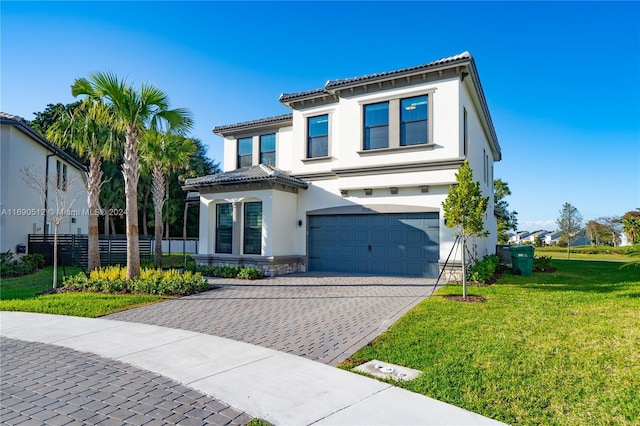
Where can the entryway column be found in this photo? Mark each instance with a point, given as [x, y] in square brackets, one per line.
[237, 223]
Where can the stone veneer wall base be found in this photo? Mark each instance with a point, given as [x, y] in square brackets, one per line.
[269, 266]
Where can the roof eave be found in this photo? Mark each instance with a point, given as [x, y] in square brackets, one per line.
[44, 142]
[265, 124]
[334, 87]
[497, 150]
[224, 185]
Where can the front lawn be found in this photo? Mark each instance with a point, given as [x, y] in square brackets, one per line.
[560, 348]
[20, 294]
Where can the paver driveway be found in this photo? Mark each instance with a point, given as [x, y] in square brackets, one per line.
[321, 317]
[48, 384]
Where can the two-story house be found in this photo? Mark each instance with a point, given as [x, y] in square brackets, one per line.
[21, 207]
[353, 179]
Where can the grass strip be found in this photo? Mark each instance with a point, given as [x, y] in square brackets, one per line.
[561, 348]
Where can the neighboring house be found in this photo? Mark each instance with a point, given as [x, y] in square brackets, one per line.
[552, 238]
[531, 238]
[624, 240]
[519, 237]
[353, 179]
[21, 207]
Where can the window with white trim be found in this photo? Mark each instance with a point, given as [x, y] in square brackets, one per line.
[318, 136]
[245, 152]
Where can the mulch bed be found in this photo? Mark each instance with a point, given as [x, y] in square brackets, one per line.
[78, 290]
[549, 270]
[466, 299]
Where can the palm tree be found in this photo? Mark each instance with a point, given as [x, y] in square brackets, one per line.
[136, 111]
[162, 153]
[87, 130]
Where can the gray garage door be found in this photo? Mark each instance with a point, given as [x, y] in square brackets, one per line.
[388, 244]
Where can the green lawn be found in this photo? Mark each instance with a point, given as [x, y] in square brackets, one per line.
[560, 348]
[20, 294]
[620, 254]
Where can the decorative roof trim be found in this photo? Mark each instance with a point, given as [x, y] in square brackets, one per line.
[21, 123]
[347, 82]
[247, 125]
[332, 85]
[261, 174]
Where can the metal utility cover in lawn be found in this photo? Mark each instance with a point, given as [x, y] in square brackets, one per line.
[385, 370]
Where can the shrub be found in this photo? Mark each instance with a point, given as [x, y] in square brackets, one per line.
[249, 274]
[7, 264]
[9, 267]
[112, 279]
[542, 264]
[225, 271]
[34, 260]
[483, 270]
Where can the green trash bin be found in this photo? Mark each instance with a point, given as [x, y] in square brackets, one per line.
[522, 259]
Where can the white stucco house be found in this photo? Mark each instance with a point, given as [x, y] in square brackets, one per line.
[21, 207]
[353, 179]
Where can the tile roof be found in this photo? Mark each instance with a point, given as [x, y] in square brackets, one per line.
[333, 84]
[254, 174]
[285, 97]
[336, 84]
[249, 124]
[13, 117]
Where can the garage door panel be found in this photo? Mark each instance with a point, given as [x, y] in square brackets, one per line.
[390, 244]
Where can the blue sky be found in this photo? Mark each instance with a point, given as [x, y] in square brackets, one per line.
[562, 79]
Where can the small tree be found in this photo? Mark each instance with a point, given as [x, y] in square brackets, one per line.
[64, 193]
[464, 210]
[570, 224]
[507, 220]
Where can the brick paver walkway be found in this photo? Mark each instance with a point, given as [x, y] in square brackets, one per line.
[320, 317]
[46, 384]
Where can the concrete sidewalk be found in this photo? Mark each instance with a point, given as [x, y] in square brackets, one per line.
[278, 387]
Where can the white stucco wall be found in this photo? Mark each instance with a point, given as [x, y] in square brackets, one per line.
[478, 150]
[20, 205]
[447, 97]
[279, 218]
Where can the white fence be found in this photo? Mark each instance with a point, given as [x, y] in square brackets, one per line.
[177, 245]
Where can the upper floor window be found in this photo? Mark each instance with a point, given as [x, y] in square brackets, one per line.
[224, 227]
[376, 125]
[465, 132]
[253, 227]
[245, 151]
[318, 136]
[413, 121]
[61, 175]
[268, 149]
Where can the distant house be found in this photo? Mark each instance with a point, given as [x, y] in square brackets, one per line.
[552, 238]
[353, 179]
[537, 234]
[21, 209]
[519, 238]
[624, 240]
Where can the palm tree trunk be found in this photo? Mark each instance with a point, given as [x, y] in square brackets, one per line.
[131, 173]
[166, 225]
[94, 182]
[158, 188]
[145, 204]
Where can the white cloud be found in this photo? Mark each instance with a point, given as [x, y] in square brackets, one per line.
[535, 225]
